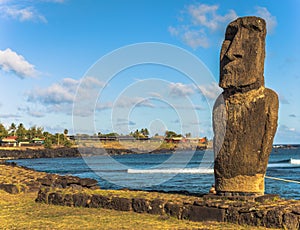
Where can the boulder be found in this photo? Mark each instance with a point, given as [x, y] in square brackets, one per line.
[99, 201]
[55, 198]
[291, 221]
[87, 182]
[42, 196]
[156, 207]
[140, 205]
[121, 204]
[10, 188]
[53, 180]
[68, 200]
[81, 200]
[198, 213]
[173, 209]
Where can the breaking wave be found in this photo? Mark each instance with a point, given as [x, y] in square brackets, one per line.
[174, 171]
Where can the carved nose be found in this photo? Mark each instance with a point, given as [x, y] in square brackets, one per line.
[233, 56]
[234, 53]
[235, 50]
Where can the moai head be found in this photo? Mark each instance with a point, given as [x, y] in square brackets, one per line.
[243, 53]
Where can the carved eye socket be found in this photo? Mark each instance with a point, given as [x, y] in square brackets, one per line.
[256, 28]
[230, 32]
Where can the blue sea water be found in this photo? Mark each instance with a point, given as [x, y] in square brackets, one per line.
[182, 171]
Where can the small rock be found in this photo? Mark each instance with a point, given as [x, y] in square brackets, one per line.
[10, 188]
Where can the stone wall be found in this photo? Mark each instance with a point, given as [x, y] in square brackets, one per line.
[268, 211]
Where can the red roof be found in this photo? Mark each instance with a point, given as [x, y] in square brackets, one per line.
[12, 137]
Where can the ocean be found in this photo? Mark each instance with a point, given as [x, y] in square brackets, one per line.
[179, 172]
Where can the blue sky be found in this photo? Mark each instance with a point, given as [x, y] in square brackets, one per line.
[48, 46]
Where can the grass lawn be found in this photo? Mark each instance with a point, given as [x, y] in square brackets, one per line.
[21, 212]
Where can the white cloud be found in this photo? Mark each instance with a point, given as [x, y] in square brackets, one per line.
[180, 89]
[207, 16]
[4, 1]
[32, 112]
[125, 102]
[189, 107]
[11, 61]
[58, 93]
[195, 38]
[23, 10]
[173, 31]
[22, 14]
[10, 116]
[124, 122]
[287, 134]
[91, 82]
[59, 97]
[36, 114]
[88, 89]
[285, 129]
[65, 91]
[155, 95]
[70, 82]
[128, 102]
[211, 91]
[270, 19]
[198, 22]
[54, 94]
[104, 106]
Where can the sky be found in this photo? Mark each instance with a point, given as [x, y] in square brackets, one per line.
[56, 57]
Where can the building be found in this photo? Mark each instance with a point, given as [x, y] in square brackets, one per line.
[9, 141]
[38, 141]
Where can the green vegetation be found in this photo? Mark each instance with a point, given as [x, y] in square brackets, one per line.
[140, 134]
[35, 133]
[3, 131]
[21, 212]
[139, 140]
[170, 134]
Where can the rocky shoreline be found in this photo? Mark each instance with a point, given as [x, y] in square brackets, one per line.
[64, 152]
[39, 153]
[58, 152]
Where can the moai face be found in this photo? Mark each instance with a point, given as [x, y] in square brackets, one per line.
[243, 53]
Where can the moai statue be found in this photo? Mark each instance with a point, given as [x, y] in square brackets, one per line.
[245, 114]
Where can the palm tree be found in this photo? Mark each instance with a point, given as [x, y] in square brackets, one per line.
[12, 129]
[3, 131]
[21, 131]
[66, 132]
[39, 132]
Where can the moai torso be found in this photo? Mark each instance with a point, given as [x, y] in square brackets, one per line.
[245, 114]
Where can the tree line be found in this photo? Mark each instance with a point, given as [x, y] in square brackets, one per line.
[24, 134]
[27, 135]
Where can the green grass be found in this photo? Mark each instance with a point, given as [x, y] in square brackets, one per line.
[21, 212]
